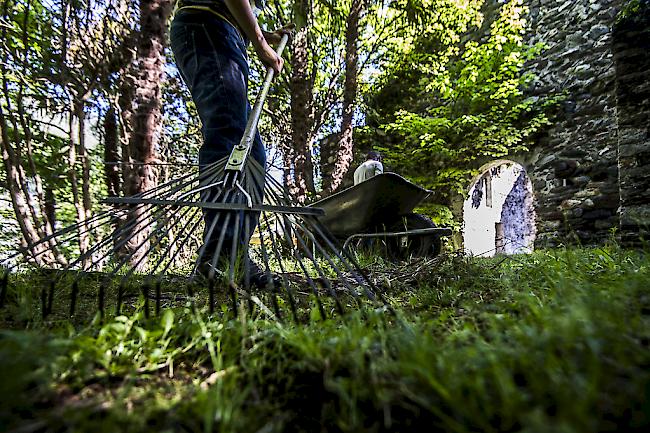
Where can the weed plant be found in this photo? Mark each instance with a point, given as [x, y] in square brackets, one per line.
[556, 341]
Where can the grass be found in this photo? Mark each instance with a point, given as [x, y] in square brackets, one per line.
[556, 341]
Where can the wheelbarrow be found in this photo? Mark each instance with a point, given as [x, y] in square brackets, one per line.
[379, 211]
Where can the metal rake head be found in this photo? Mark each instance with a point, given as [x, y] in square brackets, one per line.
[215, 238]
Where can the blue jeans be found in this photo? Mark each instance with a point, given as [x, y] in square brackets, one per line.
[211, 57]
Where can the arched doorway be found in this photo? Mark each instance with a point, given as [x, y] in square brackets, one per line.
[498, 214]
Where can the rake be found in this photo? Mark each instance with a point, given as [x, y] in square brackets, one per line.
[151, 242]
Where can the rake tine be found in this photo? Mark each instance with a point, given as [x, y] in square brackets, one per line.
[120, 295]
[156, 215]
[123, 241]
[278, 256]
[209, 171]
[208, 236]
[180, 245]
[326, 281]
[158, 283]
[370, 295]
[43, 304]
[322, 276]
[286, 229]
[126, 239]
[273, 194]
[73, 297]
[70, 229]
[153, 244]
[234, 251]
[117, 234]
[208, 184]
[90, 222]
[224, 226]
[97, 247]
[299, 259]
[217, 251]
[233, 260]
[211, 295]
[318, 226]
[88, 225]
[4, 287]
[322, 250]
[269, 278]
[100, 299]
[247, 260]
[145, 294]
[172, 258]
[167, 185]
[50, 297]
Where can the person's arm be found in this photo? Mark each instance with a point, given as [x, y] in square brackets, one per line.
[241, 10]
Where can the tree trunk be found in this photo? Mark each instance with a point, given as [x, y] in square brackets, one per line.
[336, 159]
[299, 158]
[85, 163]
[40, 253]
[77, 198]
[31, 216]
[146, 121]
[111, 154]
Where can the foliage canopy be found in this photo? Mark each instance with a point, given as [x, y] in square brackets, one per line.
[454, 95]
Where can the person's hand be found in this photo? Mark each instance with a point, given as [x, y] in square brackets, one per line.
[269, 57]
[275, 37]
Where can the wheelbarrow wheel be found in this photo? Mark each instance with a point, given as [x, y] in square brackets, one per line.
[403, 247]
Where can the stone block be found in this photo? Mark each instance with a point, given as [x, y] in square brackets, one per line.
[597, 214]
[565, 168]
[606, 201]
[574, 151]
[549, 226]
[598, 31]
[570, 204]
[564, 190]
[636, 215]
[605, 224]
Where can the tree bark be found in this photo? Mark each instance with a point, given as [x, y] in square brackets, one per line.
[111, 154]
[146, 120]
[77, 198]
[336, 158]
[40, 253]
[25, 210]
[300, 173]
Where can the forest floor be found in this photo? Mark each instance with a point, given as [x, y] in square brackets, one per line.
[555, 341]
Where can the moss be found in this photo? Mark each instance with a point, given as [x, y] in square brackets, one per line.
[633, 11]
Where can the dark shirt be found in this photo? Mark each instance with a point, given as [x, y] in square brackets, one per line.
[218, 6]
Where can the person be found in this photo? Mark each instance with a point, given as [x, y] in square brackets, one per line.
[371, 167]
[209, 40]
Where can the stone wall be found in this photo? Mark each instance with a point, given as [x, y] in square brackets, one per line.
[575, 175]
[632, 58]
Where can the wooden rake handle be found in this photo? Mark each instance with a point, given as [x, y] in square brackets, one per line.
[239, 154]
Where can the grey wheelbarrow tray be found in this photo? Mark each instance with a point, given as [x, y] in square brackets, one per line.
[379, 202]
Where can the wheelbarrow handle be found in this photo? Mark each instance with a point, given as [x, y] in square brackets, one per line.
[239, 154]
